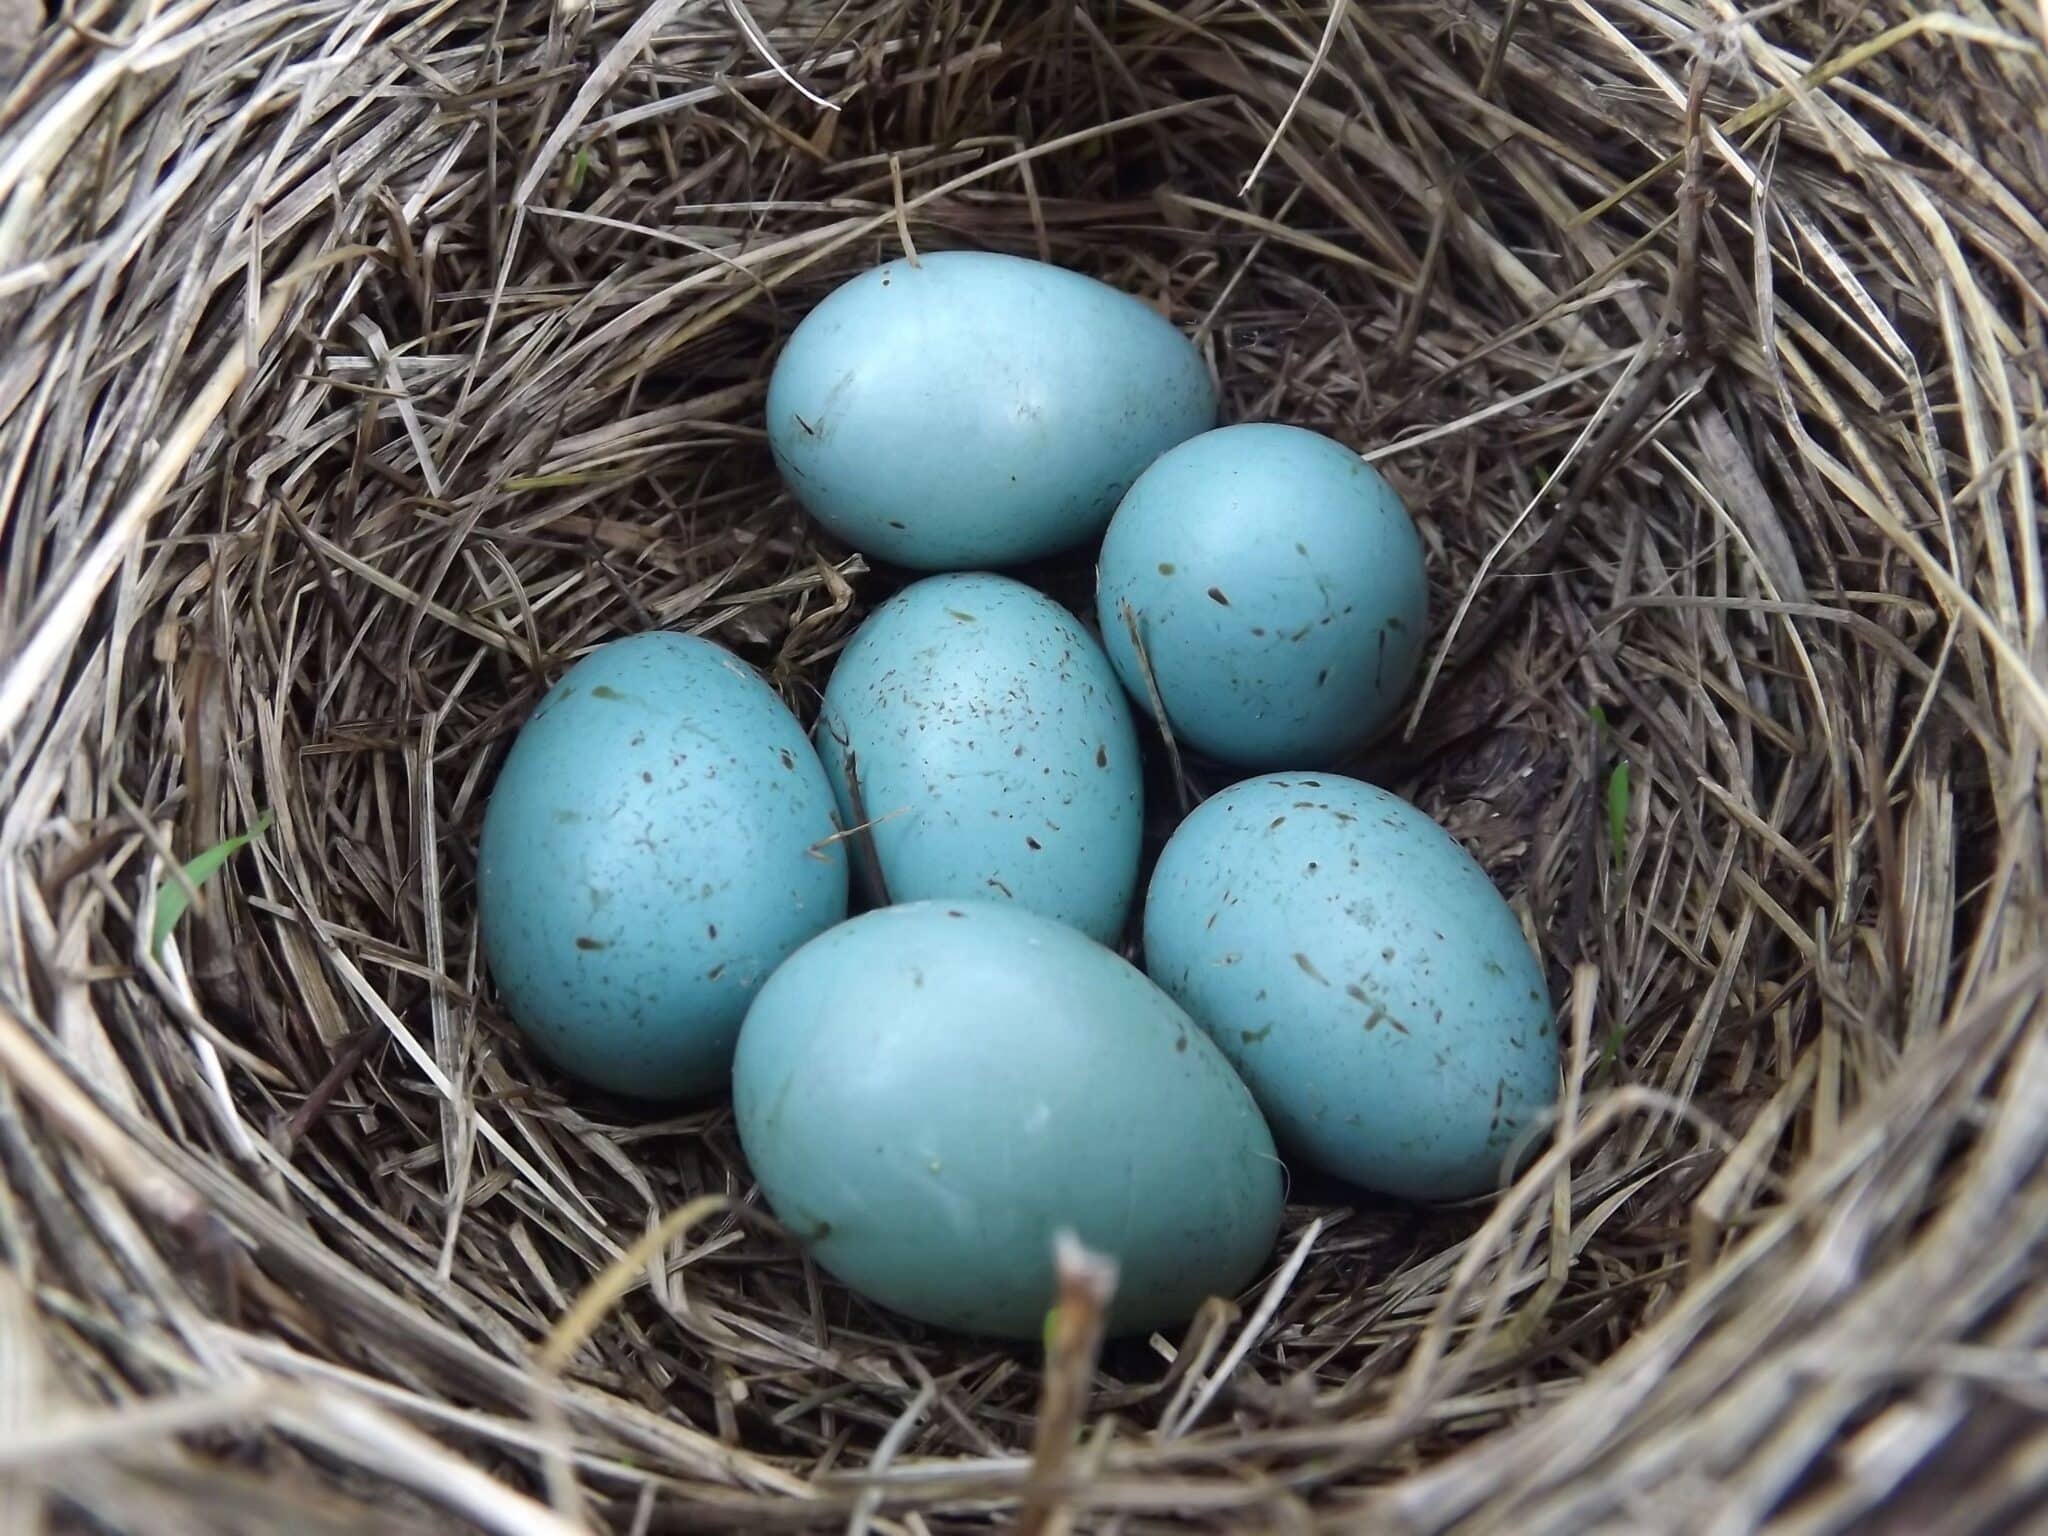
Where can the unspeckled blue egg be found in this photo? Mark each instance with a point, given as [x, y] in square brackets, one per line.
[1278, 585]
[993, 753]
[657, 841]
[1362, 973]
[970, 409]
[928, 1093]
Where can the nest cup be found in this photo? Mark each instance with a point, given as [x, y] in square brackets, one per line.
[365, 363]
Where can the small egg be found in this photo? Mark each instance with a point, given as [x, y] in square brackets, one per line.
[1278, 586]
[658, 840]
[928, 1093]
[1362, 973]
[975, 728]
[968, 409]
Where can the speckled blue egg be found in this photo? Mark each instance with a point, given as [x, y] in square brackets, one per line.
[1362, 973]
[658, 840]
[975, 728]
[970, 409]
[1278, 585]
[927, 1094]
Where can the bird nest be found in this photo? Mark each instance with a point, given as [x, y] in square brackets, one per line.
[366, 361]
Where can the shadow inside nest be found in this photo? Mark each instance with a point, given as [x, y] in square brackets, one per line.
[559, 440]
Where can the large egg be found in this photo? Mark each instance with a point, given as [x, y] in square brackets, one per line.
[975, 728]
[927, 1094]
[1278, 586]
[1362, 973]
[659, 839]
[968, 409]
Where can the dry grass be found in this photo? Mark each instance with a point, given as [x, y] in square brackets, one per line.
[365, 360]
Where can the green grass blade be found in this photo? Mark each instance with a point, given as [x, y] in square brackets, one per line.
[174, 896]
[1617, 812]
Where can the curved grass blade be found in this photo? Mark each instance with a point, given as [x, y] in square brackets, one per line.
[174, 895]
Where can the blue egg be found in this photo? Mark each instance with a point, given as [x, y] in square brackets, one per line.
[969, 409]
[1362, 973]
[928, 1093]
[658, 840]
[1278, 585]
[992, 752]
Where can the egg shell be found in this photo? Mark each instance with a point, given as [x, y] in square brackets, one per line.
[993, 750]
[1278, 584]
[655, 844]
[1362, 973]
[928, 1093]
[971, 409]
